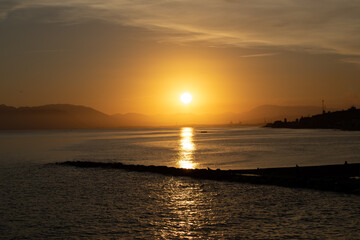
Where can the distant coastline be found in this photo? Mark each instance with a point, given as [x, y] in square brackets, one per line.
[344, 120]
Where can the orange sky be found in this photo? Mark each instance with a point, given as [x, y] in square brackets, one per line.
[137, 56]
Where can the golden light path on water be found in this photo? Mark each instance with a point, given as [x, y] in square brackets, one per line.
[187, 148]
[184, 200]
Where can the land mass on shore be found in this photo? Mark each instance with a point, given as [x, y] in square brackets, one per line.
[343, 178]
[344, 120]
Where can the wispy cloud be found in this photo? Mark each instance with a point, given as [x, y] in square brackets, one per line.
[46, 51]
[352, 60]
[330, 25]
[259, 55]
[7, 6]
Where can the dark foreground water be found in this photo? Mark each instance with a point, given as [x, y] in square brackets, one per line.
[46, 201]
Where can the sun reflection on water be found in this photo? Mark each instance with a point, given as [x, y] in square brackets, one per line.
[187, 148]
[188, 208]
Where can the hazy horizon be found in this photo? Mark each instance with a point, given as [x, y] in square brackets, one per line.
[63, 116]
[184, 112]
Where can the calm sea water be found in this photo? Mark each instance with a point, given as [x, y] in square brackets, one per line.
[45, 201]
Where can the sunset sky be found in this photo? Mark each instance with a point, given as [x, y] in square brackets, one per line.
[123, 56]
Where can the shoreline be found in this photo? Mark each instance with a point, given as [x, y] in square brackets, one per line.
[342, 178]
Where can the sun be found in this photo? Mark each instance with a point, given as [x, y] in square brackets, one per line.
[186, 98]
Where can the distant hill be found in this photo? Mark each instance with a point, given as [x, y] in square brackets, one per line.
[345, 120]
[270, 113]
[67, 116]
[55, 116]
[256, 116]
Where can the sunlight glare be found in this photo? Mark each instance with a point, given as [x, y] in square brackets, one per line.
[186, 98]
[187, 148]
[186, 164]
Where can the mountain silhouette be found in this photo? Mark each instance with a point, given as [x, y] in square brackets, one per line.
[67, 116]
[54, 116]
[269, 113]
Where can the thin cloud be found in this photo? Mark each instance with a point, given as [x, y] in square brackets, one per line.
[259, 55]
[330, 25]
[352, 60]
[7, 6]
[46, 51]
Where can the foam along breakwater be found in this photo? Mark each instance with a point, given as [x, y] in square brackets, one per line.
[339, 178]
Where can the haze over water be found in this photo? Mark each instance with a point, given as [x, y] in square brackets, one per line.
[224, 148]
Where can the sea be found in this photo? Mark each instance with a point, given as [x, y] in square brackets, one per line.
[42, 200]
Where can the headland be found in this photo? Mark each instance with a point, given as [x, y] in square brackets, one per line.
[343, 120]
